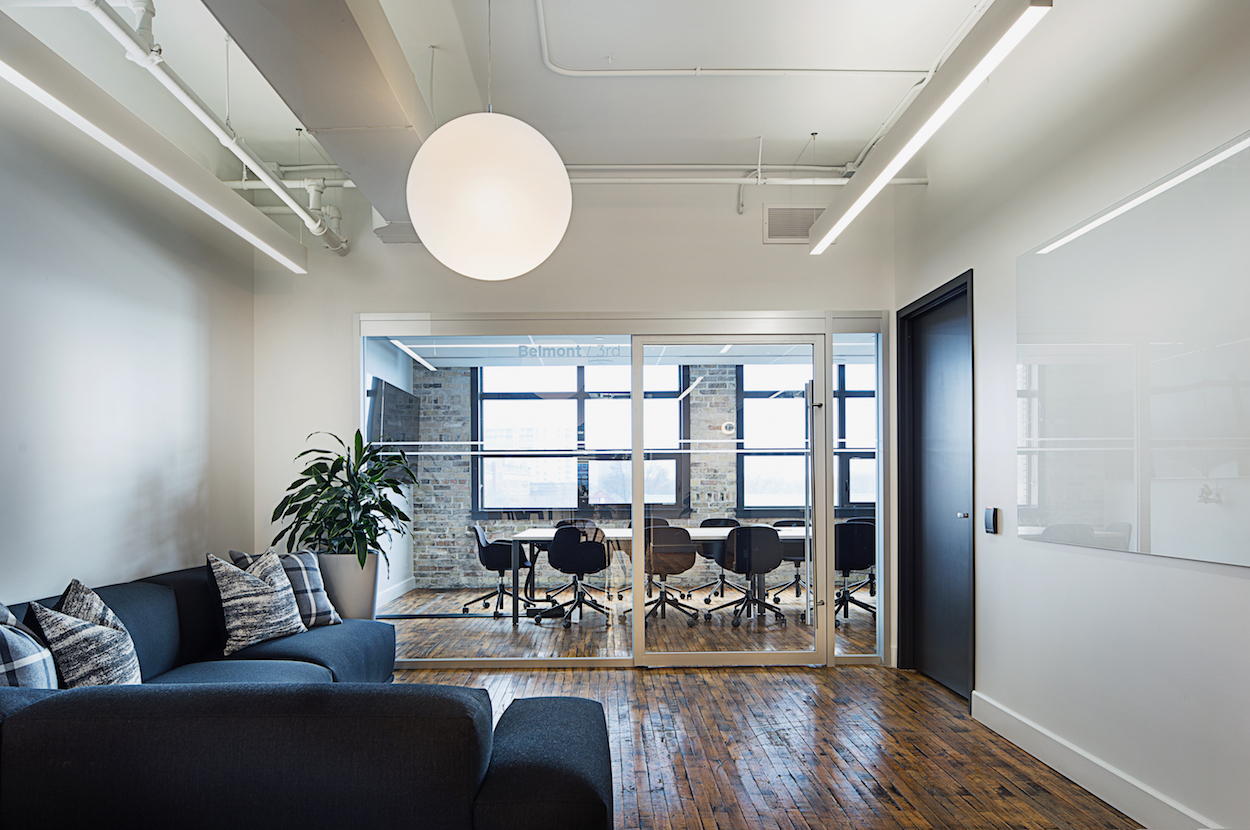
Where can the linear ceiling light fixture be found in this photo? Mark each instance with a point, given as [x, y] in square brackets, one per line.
[690, 388]
[994, 36]
[39, 72]
[427, 364]
[1219, 154]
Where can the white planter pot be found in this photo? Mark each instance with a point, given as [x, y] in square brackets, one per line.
[352, 589]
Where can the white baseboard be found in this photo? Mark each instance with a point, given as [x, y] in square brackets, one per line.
[1116, 787]
[385, 595]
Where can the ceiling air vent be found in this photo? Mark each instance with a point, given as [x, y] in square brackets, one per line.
[789, 224]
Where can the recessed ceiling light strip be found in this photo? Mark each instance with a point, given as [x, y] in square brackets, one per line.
[427, 364]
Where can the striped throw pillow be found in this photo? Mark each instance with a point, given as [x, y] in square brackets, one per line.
[258, 603]
[24, 661]
[89, 644]
[302, 569]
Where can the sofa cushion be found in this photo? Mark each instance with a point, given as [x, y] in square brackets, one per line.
[355, 651]
[24, 660]
[258, 603]
[90, 645]
[246, 671]
[304, 572]
[551, 767]
[14, 699]
[152, 613]
[247, 755]
[201, 631]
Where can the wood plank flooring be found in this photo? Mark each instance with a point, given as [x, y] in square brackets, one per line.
[596, 636]
[799, 748]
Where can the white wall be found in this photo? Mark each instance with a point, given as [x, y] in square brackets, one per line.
[628, 248]
[125, 365]
[1125, 671]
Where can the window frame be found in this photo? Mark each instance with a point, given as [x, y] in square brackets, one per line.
[845, 508]
[584, 509]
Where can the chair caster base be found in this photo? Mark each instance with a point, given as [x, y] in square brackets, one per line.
[707, 616]
[737, 622]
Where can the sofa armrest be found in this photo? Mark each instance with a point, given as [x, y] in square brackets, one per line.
[243, 755]
[551, 767]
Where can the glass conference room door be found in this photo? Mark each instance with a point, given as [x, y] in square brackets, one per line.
[727, 516]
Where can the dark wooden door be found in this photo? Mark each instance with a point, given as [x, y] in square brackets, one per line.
[935, 481]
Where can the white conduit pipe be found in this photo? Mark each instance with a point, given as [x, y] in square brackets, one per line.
[332, 214]
[293, 184]
[695, 71]
[819, 182]
[141, 51]
[815, 168]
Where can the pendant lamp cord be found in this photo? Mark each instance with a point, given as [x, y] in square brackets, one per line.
[488, 57]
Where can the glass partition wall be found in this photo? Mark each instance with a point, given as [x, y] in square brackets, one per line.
[646, 500]
[729, 574]
[855, 430]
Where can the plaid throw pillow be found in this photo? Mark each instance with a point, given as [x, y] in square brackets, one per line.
[302, 569]
[258, 603]
[89, 644]
[24, 660]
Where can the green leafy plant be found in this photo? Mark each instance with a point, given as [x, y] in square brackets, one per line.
[342, 503]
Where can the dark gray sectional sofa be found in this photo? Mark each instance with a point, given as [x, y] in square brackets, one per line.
[303, 731]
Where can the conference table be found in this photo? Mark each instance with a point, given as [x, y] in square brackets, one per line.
[622, 537]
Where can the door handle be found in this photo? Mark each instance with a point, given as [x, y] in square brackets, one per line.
[961, 515]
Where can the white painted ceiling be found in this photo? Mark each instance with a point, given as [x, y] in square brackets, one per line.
[590, 120]
[681, 120]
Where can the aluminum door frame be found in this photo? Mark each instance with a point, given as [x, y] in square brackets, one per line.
[820, 496]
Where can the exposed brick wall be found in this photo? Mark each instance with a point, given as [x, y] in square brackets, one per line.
[444, 554]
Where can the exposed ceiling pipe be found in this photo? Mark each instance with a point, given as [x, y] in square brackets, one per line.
[693, 71]
[815, 168]
[293, 184]
[770, 180]
[911, 94]
[141, 50]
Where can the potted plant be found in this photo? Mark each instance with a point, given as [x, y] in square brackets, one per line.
[341, 504]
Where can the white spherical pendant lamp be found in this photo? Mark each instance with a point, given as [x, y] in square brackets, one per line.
[489, 196]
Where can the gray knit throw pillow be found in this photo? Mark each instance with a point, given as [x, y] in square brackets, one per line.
[258, 604]
[90, 645]
[302, 569]
[24, 661]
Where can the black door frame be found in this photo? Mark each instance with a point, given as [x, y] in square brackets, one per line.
[907, 450]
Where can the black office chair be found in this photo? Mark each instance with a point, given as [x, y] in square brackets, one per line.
[1070, 534]
[854, 550]
[590, 533]
[794, 552]
[872, 574]
[669, 551]
[648, 522]
[1125, 529]
[497, 556]
[710, 550]
[571, 554]
[751, 551]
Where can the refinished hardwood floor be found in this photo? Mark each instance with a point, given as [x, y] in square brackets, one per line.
[595, 636]
[851, 747]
